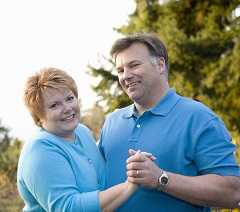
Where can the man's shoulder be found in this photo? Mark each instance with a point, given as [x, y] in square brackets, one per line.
[196, 110]
[194, 105]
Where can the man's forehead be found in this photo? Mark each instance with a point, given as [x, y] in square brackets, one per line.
[125, 61]
[136, 52]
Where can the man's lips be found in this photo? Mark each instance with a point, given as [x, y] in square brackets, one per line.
[132, 84]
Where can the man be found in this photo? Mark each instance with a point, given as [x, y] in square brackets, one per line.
[195, 166]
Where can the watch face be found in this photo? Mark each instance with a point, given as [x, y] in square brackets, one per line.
[164, 180]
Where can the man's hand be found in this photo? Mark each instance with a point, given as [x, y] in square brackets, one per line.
[142, 170]
[147, 154]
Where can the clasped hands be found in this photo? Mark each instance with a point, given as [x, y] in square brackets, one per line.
[142, 170]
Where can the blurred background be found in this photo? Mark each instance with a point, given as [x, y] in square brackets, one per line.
[202, 38]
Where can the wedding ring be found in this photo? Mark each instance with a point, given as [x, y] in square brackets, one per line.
[137, 172]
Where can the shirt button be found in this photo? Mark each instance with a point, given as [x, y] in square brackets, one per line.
[138, 125]
[89, 161]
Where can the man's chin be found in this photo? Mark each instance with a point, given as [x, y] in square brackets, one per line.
[134, 98]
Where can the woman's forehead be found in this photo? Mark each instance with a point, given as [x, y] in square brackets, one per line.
[51, 93]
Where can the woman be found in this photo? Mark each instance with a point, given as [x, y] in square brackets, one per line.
[61, 169]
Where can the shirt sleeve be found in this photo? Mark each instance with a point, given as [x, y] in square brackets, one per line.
[214, 152]
[50, 179]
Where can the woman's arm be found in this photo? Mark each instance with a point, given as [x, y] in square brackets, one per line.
[112, 198]
[49, 178]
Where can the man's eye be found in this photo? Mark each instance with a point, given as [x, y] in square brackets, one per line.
[134, 65]
[53, 106]
[119, 70]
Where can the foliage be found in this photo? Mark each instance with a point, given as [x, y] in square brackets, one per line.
[203, 42]
[93, 119]
[10, 150]
[9, 159]
[109, 88]
[237, 143]
[9, 198]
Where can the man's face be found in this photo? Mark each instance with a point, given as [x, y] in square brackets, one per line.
[138, 73]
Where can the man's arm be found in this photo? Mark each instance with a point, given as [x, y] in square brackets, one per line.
[206, 190]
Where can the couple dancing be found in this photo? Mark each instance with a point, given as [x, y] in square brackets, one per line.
[187, 160]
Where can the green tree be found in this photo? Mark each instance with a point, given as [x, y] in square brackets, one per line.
[4, 138]
[93, 119]
[203, 42]
[108, 87]
[9, 159]
[10, 150]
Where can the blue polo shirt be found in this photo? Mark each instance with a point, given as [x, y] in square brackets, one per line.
[58, 175]
[186, 137]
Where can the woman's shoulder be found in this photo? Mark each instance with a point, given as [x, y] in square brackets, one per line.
[40, 143]
[82, 129]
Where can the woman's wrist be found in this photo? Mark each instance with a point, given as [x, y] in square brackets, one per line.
[131, 187]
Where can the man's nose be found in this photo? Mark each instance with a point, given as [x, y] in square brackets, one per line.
[126, 74]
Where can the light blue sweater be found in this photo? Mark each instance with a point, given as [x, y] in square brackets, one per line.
[57, 175]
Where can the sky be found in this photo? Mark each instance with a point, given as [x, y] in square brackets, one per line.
[67, 34]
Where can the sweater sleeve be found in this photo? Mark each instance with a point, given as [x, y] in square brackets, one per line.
[49, 177]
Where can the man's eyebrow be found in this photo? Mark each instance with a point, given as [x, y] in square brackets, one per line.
[134, 61]
[130, 62]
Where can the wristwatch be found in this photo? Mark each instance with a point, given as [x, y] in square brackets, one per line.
[162, 181]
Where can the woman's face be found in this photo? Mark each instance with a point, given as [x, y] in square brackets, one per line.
[61, 112]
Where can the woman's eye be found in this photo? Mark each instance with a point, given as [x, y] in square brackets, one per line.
[70, 98]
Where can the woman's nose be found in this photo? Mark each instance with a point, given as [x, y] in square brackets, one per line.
[67, 107]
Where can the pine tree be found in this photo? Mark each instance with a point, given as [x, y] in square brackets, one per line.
[202, 38]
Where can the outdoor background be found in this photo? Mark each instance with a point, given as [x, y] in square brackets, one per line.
[202, 38]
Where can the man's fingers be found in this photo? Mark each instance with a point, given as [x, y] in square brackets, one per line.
[153, 158]
[132, 152]
[136, 180]
[131, 173]
[138, 157]
[135, 166]
[149, 155]
[135, 173]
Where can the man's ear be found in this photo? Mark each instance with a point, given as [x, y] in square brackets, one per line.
[161, 64]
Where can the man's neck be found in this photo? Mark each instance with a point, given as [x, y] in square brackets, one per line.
[142, 107]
